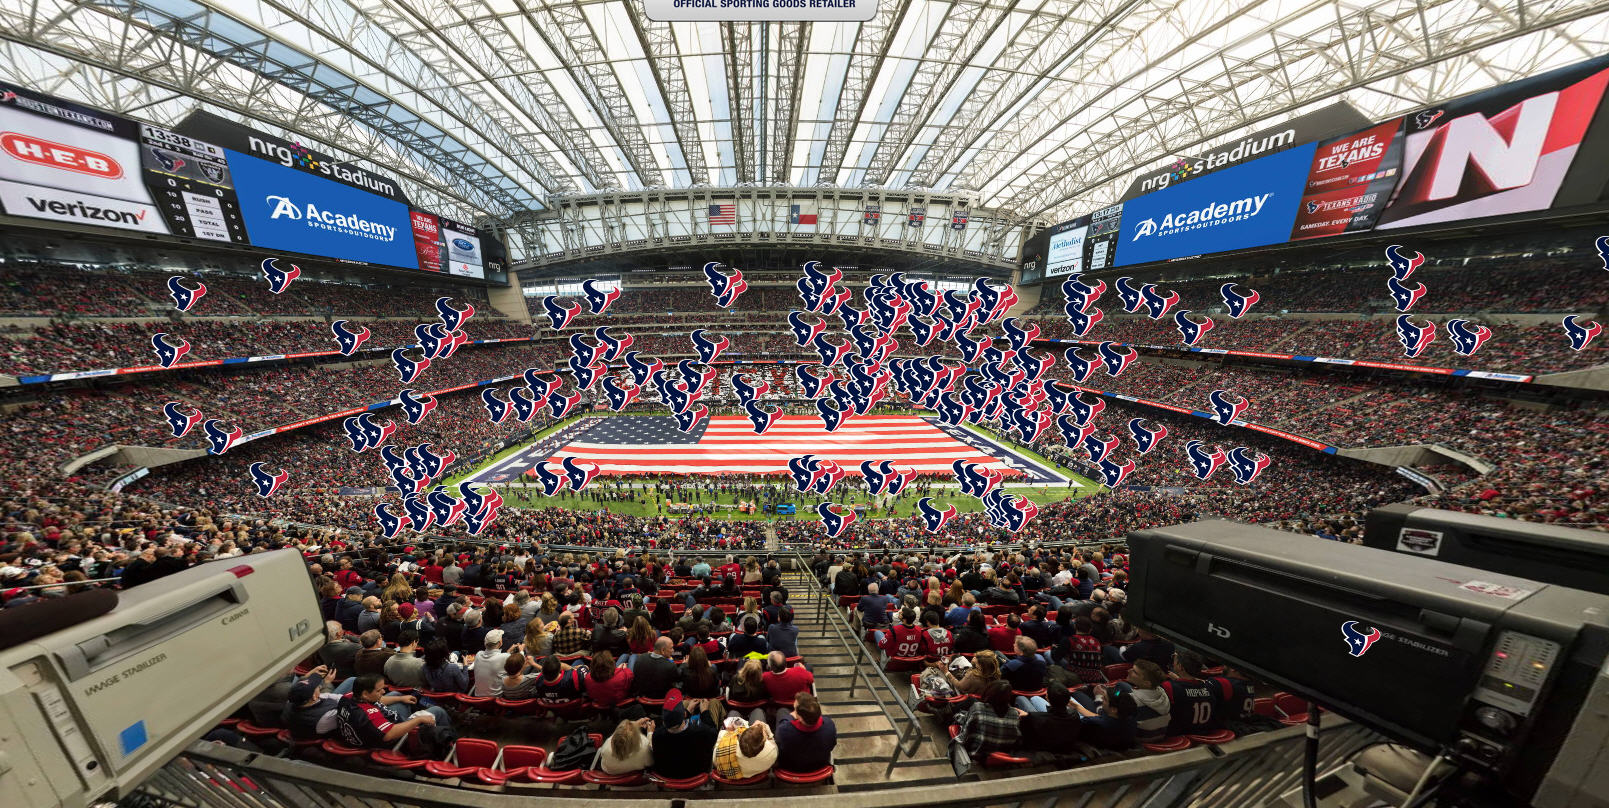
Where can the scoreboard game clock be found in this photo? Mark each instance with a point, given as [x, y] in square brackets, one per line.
[190, 183]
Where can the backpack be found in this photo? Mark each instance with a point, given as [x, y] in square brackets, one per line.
[576, 751]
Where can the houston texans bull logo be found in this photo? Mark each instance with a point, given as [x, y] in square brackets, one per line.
[577, 476]
[184, 298]
[815, 287]
[809, 383]
[1035, 366]
[673, 392]
[995, 355]
[641, 372]
[969, 347]
[1225, 411]
[220, 440]
[551, 481]
[831, 303]
[1083, 321]
[1079, 295]
[1402, 296]
[1017, 335]
[445, 508]
[834, 520]
[973, 482]
[541, 382]
[525, 404]
[1202, 462]
[696, 379]
[598, 300]
[804, 332]
[1157, 304]
[451, 318]
[922, 299]
[1059, 397]
[169, 350]
[620, 396]
[612, 347]
[434, 463]
[829, 352]
[977, 392]
[832, 417]
[1414, 337]
[1018, 512]
[746, 390]
[455, 341]
[432, 339]
[825, 475]
[1113, 473]
[279, 279]
[1031, 423]
[1467, 339]
[582, 351]
[585, 375]
[1081, 367]
[476, 521]
[374, 433]
[959, 306]
[347, 340]
[1146, 439]
[1099, 447]
[355, 434]
[1129, 294]
[266, 483]
[933, 519]
[408, 369]
[1357, 642]
[865, 341]
[1190, 331]
[1247, 464]
[1238, 303]
[417, 508]
[852, 316]
[951, 410]
[760, 417]
[995, 503]
[1401, 266]
[1581, 335]
[1082, 411]
[391, 522]
[497, 408]
[689, 419]
[559, 314]
[415, 408]
[417, 470]
[178, 420]
[394, 460]
[801, 469]
[725, 289]
[708, 350]
[1602, 243]
[1114, 360]
[560, 405]
[474, 501]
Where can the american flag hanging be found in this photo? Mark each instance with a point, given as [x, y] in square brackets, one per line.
[723, 214]
[916, 217]
[958, 220]
[873, 213]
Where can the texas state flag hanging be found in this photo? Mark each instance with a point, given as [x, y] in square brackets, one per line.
[795, 217]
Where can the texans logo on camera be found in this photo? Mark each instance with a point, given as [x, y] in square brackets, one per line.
[435, 463]
[1114, 474]
[760, 417]
[455, 341]
[180, 422]
[1202, 462]
[551, 481]
[695, 378]
[279, 280]
[1223, 410]
[497, 408]
[831, 303]
[1099, 447]
[1058, 396]
[559, 314]
[829, 352]
[417, 470]
[975, 480]
[852, 316]
[355, 434]
[995, 504]
[408, 369]
[474, 501]
[923, 301]
[984, 298]
[431, 337]
[1414, 338]
[266, 483]
[476, 522]
[1238, 303]
[994, 355]
[183, 298]
[452, 318]
[168, 352]
[864, 341]
[817, 286]
[1467, 339]
[417, 509]
[620, 397]
[1129, 294]
[689, 419]
[1018, 512]
[1423, 120]
[1081, 367]
[581, 351]
[1083, 321]
[403, 479]
[415, 408]
[612, 347]
[1079, 295]
[952, 411]
[391, 522]
[1581, 335]
[1084, 412]
[347, 340]
[169, 162]
[597, 299]
[577, 476]
[642, 372]
[1357, 642]
[1146, 439]
[746, 390]
[560, 405]
[374, 433]
[1190, 331]
[825, 475]
[708, 350]
[804, 332]
[801, 469]
[1008, 298]
[933, 519]
[969, 347]
[219, 440]
[395, 462]
[1032, 423]
[1402, 296]
[831, 416]
[959, 306]
[809, 383]
[1401, 266]
[1035, 366]
[1157, 305]
[524, 403]
[585, 375]
[1247, 464]
[446, 509]
[833, 520]
[1018, 336]
[1603, 250]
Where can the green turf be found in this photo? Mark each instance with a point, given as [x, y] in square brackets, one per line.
[451, 480]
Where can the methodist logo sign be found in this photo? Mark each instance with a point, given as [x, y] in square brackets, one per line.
[1249, 205]
[297, 212]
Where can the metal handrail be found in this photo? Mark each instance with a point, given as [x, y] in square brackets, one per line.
[840, 625]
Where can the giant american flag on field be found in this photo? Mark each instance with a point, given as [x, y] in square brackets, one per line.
[726, 444]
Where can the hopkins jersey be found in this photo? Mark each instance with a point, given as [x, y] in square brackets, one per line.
[1194, 707]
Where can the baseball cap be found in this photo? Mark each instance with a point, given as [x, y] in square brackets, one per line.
[354, 590]
[495, 636]
[302, 691]
[675, 714]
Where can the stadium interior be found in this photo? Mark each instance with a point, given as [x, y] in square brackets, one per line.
[956, 404]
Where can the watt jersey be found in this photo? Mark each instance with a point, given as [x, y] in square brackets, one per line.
[903, 641]
[1236, 697]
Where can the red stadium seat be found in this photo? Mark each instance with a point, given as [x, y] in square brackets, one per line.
[898, 664]
[255, 732]
[468, 757]
[341, 750]
[393, 760]
[542, 774]
[684, 783]
[1221, 736]
[515, 761]
[1293, 708]
[757, 780]
[517, 707]
[284, 737]
[822, 775]
[626, 780]
[1117, 673]
[1178, 744]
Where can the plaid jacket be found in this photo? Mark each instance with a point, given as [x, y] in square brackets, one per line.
[983, 732]
[571, 640]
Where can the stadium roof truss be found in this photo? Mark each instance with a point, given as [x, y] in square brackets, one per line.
[491, 109]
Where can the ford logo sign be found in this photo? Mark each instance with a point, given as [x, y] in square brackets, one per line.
[464, 244]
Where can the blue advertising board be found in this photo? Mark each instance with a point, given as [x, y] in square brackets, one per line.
[1250, 205]
[290, 210]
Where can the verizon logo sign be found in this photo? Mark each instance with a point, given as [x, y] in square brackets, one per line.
[67, 206]
[49, 153]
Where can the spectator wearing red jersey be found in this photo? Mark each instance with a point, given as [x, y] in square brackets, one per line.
[783, 682]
